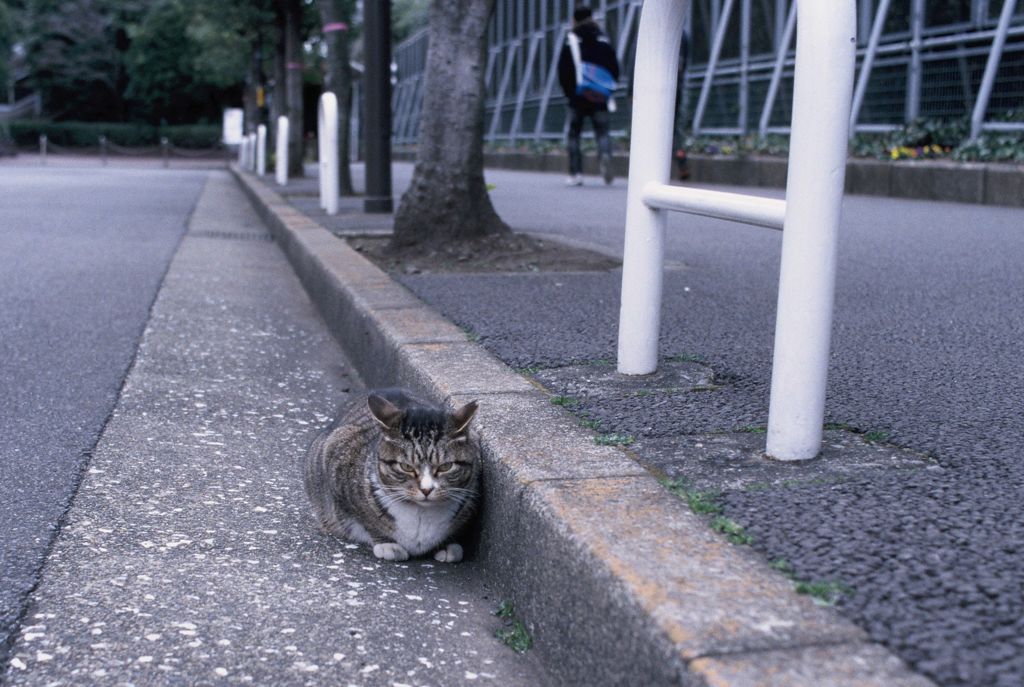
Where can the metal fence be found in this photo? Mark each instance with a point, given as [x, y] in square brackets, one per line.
[915, 58]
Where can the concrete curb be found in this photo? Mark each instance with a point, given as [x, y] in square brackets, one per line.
[617, 583]
[960, 182]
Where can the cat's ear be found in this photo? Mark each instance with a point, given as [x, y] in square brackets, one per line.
[384, 412]
[459, 419]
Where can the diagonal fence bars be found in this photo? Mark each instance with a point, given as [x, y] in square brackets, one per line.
[825, 55]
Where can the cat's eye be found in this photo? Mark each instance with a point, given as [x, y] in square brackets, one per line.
[407, 469]
[444, 467]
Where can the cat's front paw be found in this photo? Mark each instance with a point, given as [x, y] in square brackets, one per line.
[449, 554]
[390, 551]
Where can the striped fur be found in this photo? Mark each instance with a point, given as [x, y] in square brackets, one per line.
[396, 472]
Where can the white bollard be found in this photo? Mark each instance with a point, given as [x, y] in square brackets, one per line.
[327, 137]
[657, 58]
[261, 150]
[826, 45]
[241, 153]
[281, 163]
[252, 152]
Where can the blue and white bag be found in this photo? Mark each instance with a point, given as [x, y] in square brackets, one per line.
[593, 82]
[596, 83]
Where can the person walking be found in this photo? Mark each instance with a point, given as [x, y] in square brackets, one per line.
[588, 71]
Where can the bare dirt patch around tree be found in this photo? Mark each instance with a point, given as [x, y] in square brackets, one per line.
[500, 253]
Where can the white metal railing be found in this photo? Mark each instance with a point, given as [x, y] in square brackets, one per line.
[826, 51]
[327, 147]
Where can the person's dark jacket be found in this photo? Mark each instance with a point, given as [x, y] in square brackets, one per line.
[594, 48]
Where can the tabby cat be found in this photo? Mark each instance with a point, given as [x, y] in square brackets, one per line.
[397, 473]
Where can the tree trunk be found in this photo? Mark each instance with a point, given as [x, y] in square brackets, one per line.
[279, 102]
[249, 95]
[448, 199]
[293, 83]
[336, 18]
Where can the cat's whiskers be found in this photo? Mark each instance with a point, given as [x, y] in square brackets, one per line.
[392, 495]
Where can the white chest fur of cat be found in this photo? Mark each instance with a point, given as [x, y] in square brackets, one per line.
[420, 529]
[397, 473]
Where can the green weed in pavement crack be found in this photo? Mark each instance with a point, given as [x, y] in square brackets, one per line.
[706, 503]
[752, 429]
[684, 358]
[513, 633]
[565, 401]
[614, 439]
[528, 370]
[732, 530]
[700, 502]
[824, 592]
[876, 436]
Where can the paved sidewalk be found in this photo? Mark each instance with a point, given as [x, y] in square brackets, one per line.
[188, 556]
[926, 557]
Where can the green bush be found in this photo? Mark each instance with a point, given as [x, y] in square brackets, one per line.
[80, 134]
[193, 135]
[87, 134]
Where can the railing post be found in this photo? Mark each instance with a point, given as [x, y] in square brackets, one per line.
[823, 82]
[281, 155]
[43, 141]
[654, 89]
[103, 149]
[165, 150]
[261, 150]
[327, 138]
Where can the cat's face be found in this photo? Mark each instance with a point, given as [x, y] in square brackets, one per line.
[427, 458]
[426, 470]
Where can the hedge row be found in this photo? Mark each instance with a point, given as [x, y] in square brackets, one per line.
[82, 134]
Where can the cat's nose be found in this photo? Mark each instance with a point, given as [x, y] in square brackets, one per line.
[426, 491]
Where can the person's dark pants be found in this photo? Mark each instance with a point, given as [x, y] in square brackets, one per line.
[599, 119]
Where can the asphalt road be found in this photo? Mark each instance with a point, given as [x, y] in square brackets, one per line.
[925, 355]
[84, 252]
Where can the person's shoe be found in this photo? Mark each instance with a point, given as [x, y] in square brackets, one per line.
[606, 169]
[574, 180]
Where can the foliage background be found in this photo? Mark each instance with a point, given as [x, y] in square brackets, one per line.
[146, 61]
